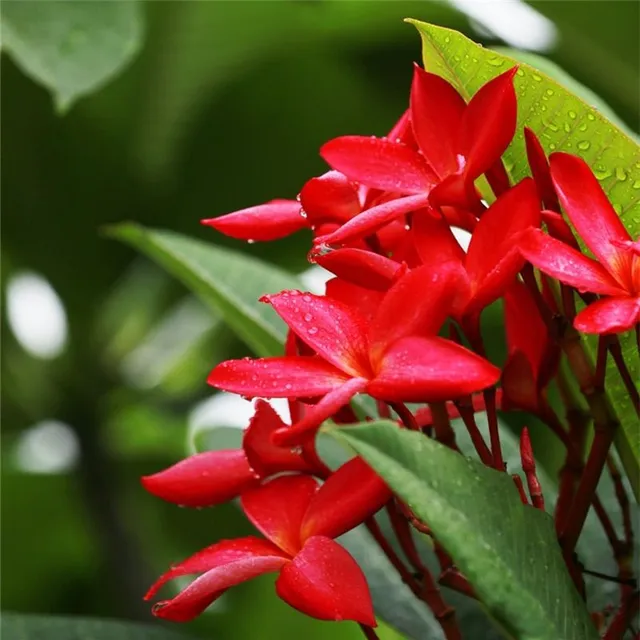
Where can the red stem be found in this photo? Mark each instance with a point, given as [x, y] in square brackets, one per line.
[368, 632]
[407, 418]
[442, 425]
[465, 409]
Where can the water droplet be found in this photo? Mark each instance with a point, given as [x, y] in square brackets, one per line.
[306, 298]
[288, 386]
[447, 39]
[495, 62]
[550, 125]
[543, 107]
[298, 197]
[636, 184]
[456, 58]
[303, 213]
[312, 330]
[475, 60]
[552, 146]
[582, 127]
[308, 317]
[549, 92]
[294, 292]
[567, 127]
[520, 72]
[621, 174]
[590, 116]
[536, 77]
[251, 241]
[572, 115]
[584, 145]
[601, 172]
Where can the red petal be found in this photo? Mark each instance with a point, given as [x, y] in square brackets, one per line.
[519, 387]
[335, 330]
[224, 565]
[567, 265]
[434, 241]
[430, 370]
[611, 315]
[263, 456]
[492, 259]
[418, 304]
[401, 131]
[324, 582]
[379, 163]
[277, 508]
[351, 495]
[270, 221]
[204, 479]
[371, 220]
[283, 377]
[488, 124]
[540, 170]
[363, 268]
[323, 410]
[330, 197]
[366, 301]
[436, 113]
[591, 213]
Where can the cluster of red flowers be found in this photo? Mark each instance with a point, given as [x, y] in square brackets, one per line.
[382, 221]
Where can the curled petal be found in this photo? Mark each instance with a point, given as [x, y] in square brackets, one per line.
[566, 264]
[324, 582]
[436, 112]
[371, 220]
[204, 479]
[316, 415]
[488, 124]
[277, 507]
[330, 197]
[591, 213]
[264, 456]
[223, 553]
[610, 315]
[540, 170]
[282, 377]
[336, 331]
[401, 130]
[379, 163]
[430, 370]
[270, 221]
[352, 494]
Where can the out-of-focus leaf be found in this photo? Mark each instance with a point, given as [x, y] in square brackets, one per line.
[563, 122]
[228, 281]
[14, 626]
[72, 48]
[508, 551]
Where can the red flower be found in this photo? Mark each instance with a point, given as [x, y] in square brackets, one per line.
[214, 477]
[299, 518]
[457, 144]
[395, 356]
[615, 275]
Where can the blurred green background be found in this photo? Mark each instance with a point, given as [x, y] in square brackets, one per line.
[104, 357]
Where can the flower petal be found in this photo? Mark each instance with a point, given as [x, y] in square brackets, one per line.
[371, 220]
[610, 315]
[204, 479]
[540, 170]
[379, 163]
[264, 456]
[351, 494]
[591, 213]
[436, 112]
[277, 508]
[281, 377]
[316, 415]
[335, 330]
[363, 268]
[430, 370]
[218, 554]
[330, 197]
[270, 221]
[366, 301]
[324, 582]
[488, 124]
[566, 264]
[434, 241]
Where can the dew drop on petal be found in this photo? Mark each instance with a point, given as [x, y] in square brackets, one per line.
[251, 241]
[306, 298]
[308, 317]
[312, 330]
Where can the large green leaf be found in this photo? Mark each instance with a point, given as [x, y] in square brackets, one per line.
[72, 48]
[563, 122]
[507, 550]
[230, 282]
[29, 627]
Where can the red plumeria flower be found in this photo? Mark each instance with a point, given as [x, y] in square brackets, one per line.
[616, 275]
[532, 355]
[299, 518]
[394, 356]
[213, 477]
[492, 260]
[457, 144]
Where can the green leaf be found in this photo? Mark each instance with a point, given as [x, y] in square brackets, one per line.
[228, 281]
[563, 122]
[507, 550]
[72, 48]
[30, 627]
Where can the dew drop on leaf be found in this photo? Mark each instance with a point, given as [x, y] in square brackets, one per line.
[582, 127]
[572, 115]
[567, 127]
[621, 174]
[520, 72]
[584, 145]
[601, 172]
[636, 184]
[495, 62]
[549, 92]
[590, 116]
[536, 77]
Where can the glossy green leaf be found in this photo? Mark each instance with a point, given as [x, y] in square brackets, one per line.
[72, 48]
[508, 551]
[230, 282]
[30, 627]
[563, 122]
